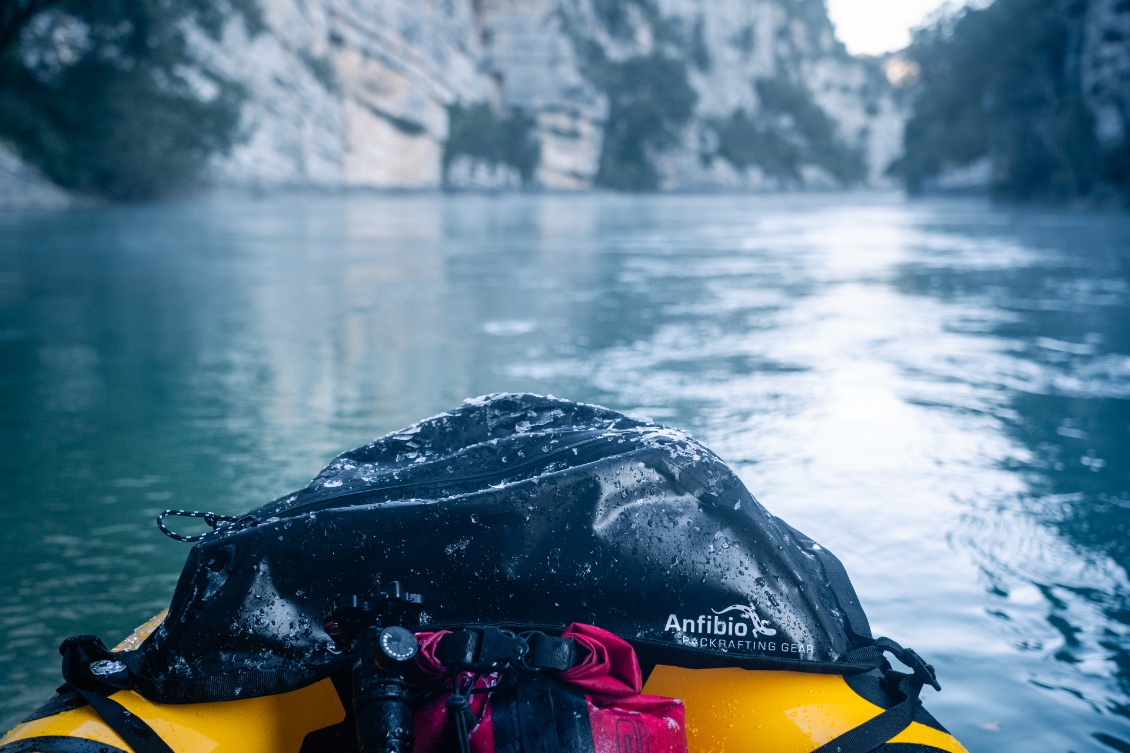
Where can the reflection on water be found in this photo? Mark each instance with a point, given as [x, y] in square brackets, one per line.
[939, 392]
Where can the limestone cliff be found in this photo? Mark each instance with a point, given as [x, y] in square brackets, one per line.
[348, 92]
[360, 93]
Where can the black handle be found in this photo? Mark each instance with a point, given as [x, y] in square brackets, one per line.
[381, 702]
[381, 649]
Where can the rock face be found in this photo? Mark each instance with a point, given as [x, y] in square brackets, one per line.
[1104, 71]
[359, 93]
[735, 44]
[346, 93]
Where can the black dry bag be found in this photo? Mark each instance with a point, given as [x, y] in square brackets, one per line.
[513, 510]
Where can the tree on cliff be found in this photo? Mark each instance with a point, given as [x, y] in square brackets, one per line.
[1000, 82]
[650, 100]
[106, 98]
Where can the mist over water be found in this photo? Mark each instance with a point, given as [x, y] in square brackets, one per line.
[939, 392]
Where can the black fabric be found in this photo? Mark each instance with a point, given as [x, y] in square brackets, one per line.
[552, 717]
[516, 510]
[56, 744]
[550, 652]
[855, 618]
[65, 700]
[504, 720]
[901, 698]
[486, 648]
[80, 653]
[338, 738]
[480, 649]
[874, 687]
[926, 719]
[875, 732]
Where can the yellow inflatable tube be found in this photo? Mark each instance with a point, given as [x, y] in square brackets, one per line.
[272, 724]
[726, 710]
[783, 712]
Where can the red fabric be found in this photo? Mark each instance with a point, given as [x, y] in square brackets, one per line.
[609, 666]
[431, 724]
[654, 725]
[428, 668]
[622, 720]
[435, 731]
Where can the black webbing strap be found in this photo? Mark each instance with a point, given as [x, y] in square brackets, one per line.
[878, 731]
[540, 714]
[94, 672]
[481, 649]
[484, 649]
[553, 716]
[532, 711]
[550, 652]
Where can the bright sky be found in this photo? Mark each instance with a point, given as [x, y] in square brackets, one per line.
[873, 27]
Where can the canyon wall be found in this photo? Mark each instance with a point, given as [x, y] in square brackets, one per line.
[364, 93]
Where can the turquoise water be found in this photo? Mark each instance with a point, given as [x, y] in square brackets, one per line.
[937, 391]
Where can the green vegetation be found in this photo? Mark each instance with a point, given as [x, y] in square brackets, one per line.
[650, 100]
[475, 131]
[616, 15]
[999, 82]
[745, 142]
[791, 130]
[105, 97]
[650, 97]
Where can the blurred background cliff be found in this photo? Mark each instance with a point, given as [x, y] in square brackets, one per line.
[133, 99]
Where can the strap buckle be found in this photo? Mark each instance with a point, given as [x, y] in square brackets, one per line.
[481, 649]
[920, 669]
[923, 671]
[548, 653]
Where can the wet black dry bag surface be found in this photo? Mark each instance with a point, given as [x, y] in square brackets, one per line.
[514, 510]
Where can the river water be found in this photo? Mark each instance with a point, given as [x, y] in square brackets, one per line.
[939, 392]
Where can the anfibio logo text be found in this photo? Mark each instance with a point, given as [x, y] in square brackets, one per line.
[716, 631]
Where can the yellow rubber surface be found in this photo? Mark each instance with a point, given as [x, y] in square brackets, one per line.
[726, 710]
[784, 712]
[272, 724]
